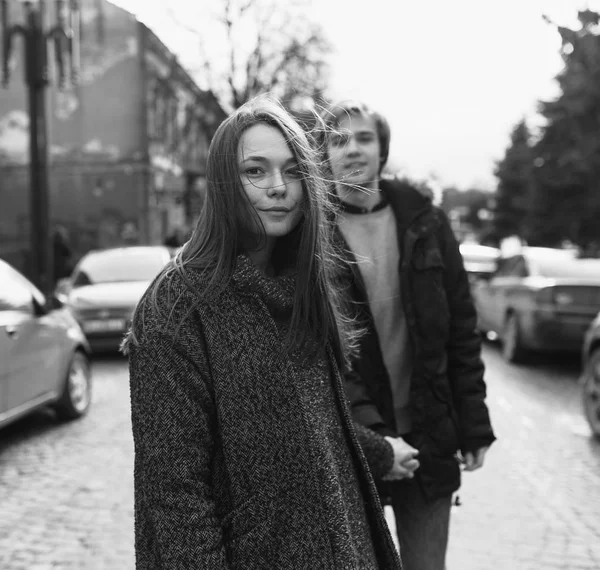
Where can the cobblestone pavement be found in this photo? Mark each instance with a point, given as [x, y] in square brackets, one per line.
[66, 490]
[535, 505]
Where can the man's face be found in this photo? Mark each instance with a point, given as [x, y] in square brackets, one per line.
[354, 152]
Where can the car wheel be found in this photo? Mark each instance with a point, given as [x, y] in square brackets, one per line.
[591, 392]
[77, 392]
[512, 347]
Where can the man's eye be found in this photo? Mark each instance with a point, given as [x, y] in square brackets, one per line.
[338, 140]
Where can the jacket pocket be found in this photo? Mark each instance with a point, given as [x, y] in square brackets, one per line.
[429, 295]
[246, 532]
[243, 518]
[428, 259]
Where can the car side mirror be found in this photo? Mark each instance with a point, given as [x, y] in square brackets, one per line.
[62, 290]
[39, 308]
[56, 301]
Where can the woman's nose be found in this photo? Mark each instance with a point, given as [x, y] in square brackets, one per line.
[277, 185]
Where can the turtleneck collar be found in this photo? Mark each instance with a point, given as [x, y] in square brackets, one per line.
[277, 293]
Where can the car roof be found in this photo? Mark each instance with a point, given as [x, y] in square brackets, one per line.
[130, 249]
[531, 252]
[478, 249]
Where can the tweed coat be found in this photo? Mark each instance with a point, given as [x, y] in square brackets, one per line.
[240, 462]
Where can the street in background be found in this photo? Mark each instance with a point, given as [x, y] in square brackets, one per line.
[480, 260]
[105, 287]
[43, 352]
[590, 377]
[539, 299]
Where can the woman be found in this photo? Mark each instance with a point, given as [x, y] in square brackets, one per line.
[245, 454]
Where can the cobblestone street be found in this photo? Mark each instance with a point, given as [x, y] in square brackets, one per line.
[66, 490]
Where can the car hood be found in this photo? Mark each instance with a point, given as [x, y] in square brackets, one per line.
[125, 294]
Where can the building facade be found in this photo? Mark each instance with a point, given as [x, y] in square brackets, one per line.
[127, 145]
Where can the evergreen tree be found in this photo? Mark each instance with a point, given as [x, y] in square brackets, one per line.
[566, 201]
[513, 193]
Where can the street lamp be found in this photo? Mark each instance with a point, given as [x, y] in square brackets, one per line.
[64, 36]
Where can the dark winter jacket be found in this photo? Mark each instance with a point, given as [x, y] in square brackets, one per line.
[245, 455]
[447, 397]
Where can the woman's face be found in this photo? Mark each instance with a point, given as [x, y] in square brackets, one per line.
[271, 179]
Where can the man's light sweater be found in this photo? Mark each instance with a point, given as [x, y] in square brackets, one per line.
[373, 239]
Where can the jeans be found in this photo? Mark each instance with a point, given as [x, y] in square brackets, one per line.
[422, 526]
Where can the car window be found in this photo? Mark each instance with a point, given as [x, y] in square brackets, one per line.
[119, 265]
[15, 293]
[514, 266]
[519, 268]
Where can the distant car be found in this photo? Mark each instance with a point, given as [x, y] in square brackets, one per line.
[479, 260]
[539, 299]
[105, 287]
[43, 353]
[591, 375]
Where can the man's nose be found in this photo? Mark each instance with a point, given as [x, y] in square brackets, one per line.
[351, 146]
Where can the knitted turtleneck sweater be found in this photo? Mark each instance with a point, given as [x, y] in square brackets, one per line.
[246, 456]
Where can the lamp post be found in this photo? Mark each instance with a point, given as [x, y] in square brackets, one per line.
[36, 36]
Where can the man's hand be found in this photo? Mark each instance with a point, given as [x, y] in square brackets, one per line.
[405, 461]
[474, 461]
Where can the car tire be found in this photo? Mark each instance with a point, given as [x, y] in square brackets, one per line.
[591, 392]
[76, 397]
[512, 346]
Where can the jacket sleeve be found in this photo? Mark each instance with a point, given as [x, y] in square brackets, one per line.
[364, 410]
[465, 366]
[378, 452]
[173, 417]
[369, 425]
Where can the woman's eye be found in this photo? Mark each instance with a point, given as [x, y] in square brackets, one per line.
[254, 171]
[294, 172]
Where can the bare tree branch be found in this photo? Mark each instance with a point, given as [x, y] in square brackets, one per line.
[260, 54]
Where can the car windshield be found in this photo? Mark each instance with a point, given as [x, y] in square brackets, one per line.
[119, 266]
[561, 268]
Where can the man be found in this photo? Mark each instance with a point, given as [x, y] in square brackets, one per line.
[419, 385]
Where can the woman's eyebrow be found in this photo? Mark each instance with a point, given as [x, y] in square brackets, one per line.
[258, 158]
[254, 157]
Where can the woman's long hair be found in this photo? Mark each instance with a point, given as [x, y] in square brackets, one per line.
[228, 225]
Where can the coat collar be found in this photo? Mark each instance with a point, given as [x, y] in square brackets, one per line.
[277, 293]
[408, 203]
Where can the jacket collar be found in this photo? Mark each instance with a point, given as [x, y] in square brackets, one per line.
[408, 203]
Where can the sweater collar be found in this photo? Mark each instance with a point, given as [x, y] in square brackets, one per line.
[277, 293]
[352, 209]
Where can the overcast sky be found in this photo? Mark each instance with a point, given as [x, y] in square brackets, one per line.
[452, 76]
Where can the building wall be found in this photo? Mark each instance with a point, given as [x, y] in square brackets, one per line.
[96, 137]
[124, 143]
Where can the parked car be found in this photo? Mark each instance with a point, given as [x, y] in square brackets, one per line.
[43, 353]
[105, 287]
[479, 260]
[590, 377]
[539, 299]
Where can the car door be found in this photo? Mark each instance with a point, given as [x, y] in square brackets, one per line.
[485, 295]
[5, 342]
[508, 290]
[32, 342]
